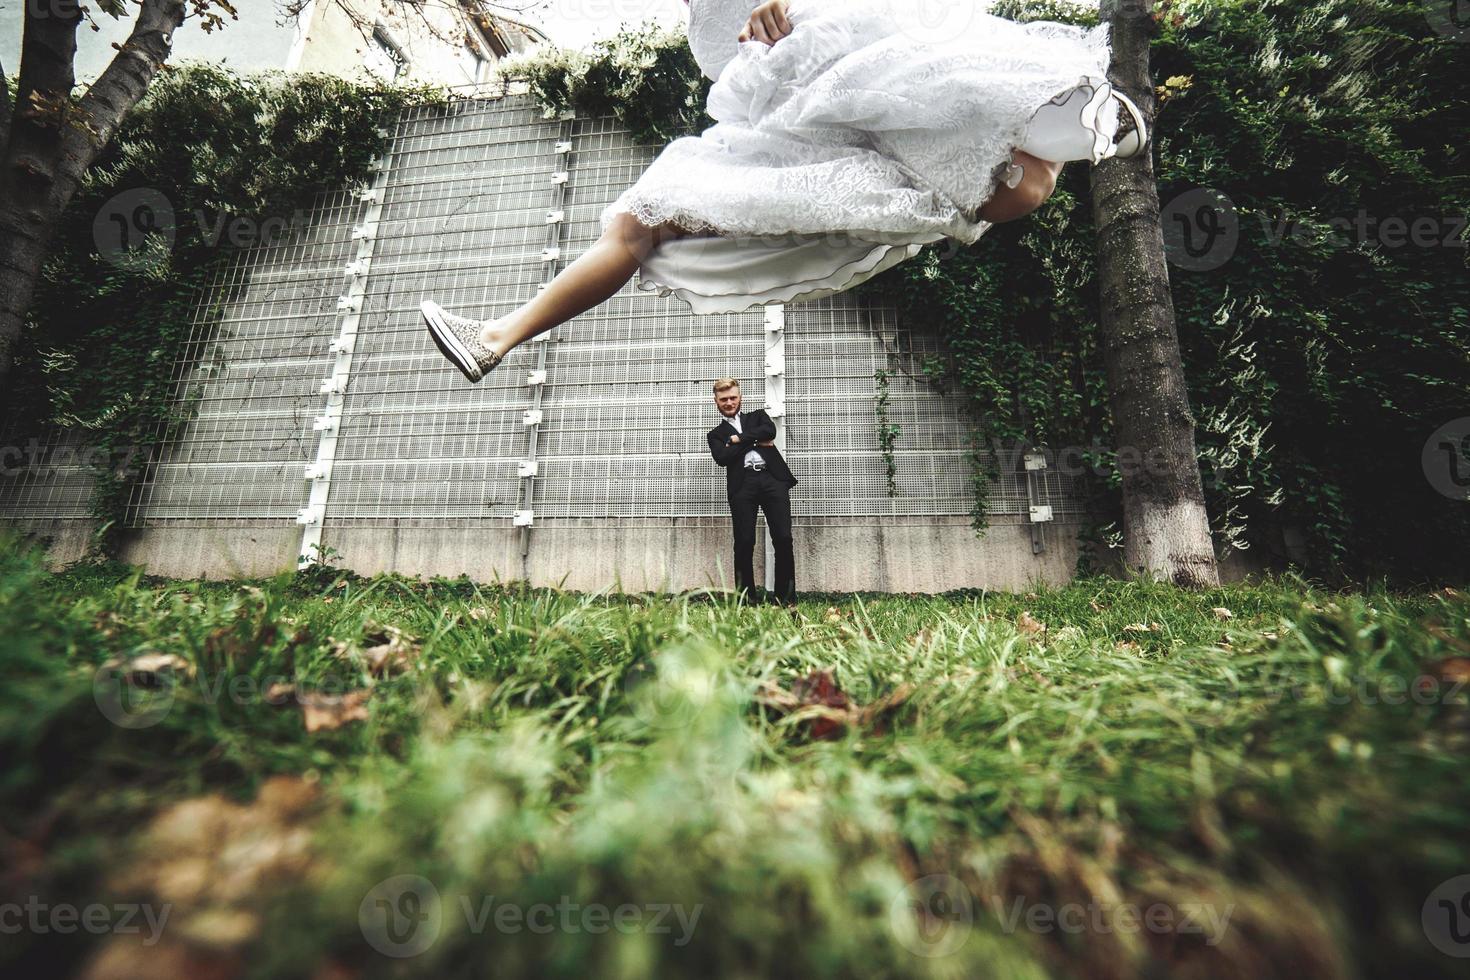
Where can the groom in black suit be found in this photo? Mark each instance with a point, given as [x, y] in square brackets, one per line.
[755, 476]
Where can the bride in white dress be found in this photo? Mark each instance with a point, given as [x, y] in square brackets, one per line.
[849, 134]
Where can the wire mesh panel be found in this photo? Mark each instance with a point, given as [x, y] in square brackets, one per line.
[462, 223]
[467, 212]
[629, 396]
[835, 349]
[250, 373]
[48, 477]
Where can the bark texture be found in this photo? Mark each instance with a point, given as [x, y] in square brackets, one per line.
[53, 137]
[1166, 530]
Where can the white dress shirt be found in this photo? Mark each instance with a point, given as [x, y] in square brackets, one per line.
[752, 457]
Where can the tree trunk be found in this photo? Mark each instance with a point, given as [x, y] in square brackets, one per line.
[1166, 530]
[53, 138]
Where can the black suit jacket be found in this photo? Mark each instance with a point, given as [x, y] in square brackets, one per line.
[755, 426]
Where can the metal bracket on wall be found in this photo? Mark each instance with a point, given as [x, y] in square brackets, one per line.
[1038, 510]
[775, 330]
[312, 517]
[529, 469]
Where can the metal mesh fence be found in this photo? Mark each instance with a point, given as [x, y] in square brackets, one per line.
[463, 219]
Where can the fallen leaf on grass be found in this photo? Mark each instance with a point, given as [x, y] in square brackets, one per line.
[328, 712]
[1142, 628]
[384, 650]
[824, 710]
[144, 669]
[1450, 670]
[321, 712]
[1027, 623]
[217, 866]
[1222, 613]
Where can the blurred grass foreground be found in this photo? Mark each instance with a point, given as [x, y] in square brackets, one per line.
[326, 776]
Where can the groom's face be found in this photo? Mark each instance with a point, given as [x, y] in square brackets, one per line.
[728, 401]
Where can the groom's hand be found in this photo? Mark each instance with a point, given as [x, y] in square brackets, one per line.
[767, 24]
[734, 438]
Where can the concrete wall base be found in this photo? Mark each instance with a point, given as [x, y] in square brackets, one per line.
[854, 555]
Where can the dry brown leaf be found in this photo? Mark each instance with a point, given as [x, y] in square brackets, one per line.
[384, 650]
[278, 693]
[328, 712]
[143, 670]
[154, 662]
[1450, 670]
[218, 865]
[1222, 613]
[1027, 623]
[1142, 628]
[824, 711]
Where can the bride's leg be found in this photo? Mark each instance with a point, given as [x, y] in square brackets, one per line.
[596, 274]
[1038, 181]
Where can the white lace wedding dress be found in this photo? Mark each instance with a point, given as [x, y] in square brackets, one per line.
[865, 133]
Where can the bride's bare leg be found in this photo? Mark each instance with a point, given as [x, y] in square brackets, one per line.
[1038, 181]
[596, 274]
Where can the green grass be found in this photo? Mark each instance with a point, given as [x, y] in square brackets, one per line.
[1266, 783]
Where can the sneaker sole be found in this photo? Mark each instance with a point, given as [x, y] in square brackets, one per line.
[1138, 136]
[449, 345]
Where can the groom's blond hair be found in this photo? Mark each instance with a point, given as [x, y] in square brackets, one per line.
[725, 384]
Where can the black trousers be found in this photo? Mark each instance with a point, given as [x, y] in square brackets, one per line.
[762, 490]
